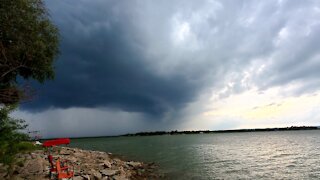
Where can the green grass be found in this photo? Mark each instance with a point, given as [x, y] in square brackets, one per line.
[27, 146]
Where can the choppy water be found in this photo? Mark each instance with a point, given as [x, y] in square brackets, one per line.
[252, 155]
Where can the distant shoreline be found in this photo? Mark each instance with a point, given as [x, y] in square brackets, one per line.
[156, 133]
[292, 128]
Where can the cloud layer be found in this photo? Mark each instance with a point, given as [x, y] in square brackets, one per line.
[157, 58]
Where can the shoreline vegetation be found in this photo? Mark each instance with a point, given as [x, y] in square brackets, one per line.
[176, 132]
[292, 128]
[86, 164]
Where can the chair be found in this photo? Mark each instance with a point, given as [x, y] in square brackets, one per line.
[63, 173]
[53, 168]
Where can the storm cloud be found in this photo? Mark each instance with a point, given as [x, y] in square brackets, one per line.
[102, 64]
[157, 58]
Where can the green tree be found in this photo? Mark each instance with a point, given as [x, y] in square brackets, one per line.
[28, 46]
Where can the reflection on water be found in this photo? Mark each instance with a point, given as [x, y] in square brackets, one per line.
[252, 155]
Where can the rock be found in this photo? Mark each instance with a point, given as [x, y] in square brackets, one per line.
[86, 177]
[91, 171]
[108, 172]
[28, 157]
[78, 154]
[78, 178]
[72, 159]
[97, 176]
[33, 166]
[33, 155]
[87, 165]
[107, 164]
[133, 164]
[17, 178]
[120, 177]
[65, 154]
[100, 157]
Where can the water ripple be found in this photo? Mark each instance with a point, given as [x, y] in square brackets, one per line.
[254, 155]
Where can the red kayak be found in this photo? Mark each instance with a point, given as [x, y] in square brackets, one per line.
[56, 142]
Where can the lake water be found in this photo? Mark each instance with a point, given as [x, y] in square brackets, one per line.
[251, 155]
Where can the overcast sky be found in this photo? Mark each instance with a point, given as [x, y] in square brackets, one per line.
[130, 66]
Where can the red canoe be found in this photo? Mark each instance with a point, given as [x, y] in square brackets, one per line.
[56, 142]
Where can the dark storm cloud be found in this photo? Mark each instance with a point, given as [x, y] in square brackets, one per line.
[101, 65]
[156, 57]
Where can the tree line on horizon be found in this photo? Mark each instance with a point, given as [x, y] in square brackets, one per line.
[176, 132]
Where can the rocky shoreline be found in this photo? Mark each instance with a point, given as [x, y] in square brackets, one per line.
[86, 165]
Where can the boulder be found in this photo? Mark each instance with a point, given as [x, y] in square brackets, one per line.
[133, 164]
[33, 155]
[97, 176]
[33, 166]
[107, 164]
[108, 172]
[86, 177]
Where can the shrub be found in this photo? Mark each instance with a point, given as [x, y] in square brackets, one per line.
[11, 135]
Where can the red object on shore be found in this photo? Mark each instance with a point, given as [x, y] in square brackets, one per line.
[56, 142]
[62, 173]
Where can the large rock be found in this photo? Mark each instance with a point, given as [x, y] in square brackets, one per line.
[133, 164]
[33, 155]
[33, 166]
[108, 172]
[107, 164]
[97, 176]
[86, 177]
